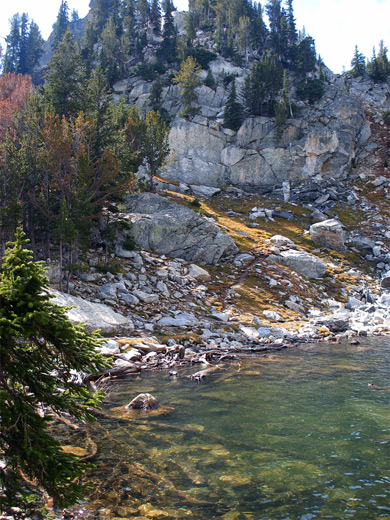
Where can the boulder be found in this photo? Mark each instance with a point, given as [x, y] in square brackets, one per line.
[170, 229]
[280, 241]
[337, 322]
[107, 291]
[198, 273]
[93, 315]
[183, 319]
[329, 233]
[385, 282]
[146, 297]
[110, 347]
[143, 402]
[272, 315]
[304, 263]
[204, 191]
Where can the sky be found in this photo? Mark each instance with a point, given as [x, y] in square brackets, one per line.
[336, 25]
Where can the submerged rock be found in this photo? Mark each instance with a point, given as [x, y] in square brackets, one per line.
[143, 402]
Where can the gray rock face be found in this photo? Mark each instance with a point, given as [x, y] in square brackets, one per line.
[168, 228]
[329, 233]
[320, 144]
[304, 263]
[94, 315]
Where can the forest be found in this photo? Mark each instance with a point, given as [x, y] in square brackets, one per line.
[66, 150]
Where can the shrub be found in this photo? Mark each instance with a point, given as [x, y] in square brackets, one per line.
[203, 56]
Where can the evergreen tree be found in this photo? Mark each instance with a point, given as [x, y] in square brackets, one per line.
[61, 25]
[154, 143]
[261, 86]
[233, 114]
[34, 47]
[274, 11]
[40, 350]
[101, 13]
[23, 44]
[188, 80]
[74, 17]
[155, 95]
[358, 63]
[155, 17]
[65, 79]
[12, 52]
[210, 80]
[306, 57]
[243, 35]
[168, 45]
[111, 58]
[190, 27]
[87, 51]
[259, 30]
[292, 30]
[379, 66]
[143, 9]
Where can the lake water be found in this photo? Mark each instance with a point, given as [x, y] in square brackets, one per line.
[292, 435]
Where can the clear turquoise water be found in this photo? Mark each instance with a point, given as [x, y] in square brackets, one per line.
[293, 435]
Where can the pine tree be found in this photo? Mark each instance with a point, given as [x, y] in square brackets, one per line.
[306, 57]
[233, 114]
[190, 27]
[155, 17]
[261, 86]
[61, 25]
[154, 143]
[110, 57]
[23, 44]
[155, 95]
[188, 80]
[379, 66]
[34, 47]
[11, 56]
[65, 79]
[358, 63]
[40, 350]
[101, 13]
[143, 9]
[168, 45]
[274, 12]
[292, 30]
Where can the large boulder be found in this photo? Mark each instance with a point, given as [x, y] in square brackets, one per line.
[304, 263]
[329, 233]
[336, 322]
[93, 315]
[167, 228]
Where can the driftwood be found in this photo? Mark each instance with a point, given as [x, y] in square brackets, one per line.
[198, 376]
[375, 387]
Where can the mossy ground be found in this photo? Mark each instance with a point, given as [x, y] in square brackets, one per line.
[253, 287]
